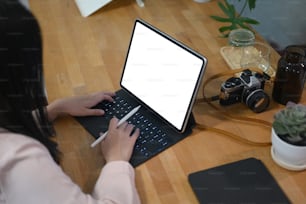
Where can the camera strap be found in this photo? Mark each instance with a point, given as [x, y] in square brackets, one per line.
[209, 100]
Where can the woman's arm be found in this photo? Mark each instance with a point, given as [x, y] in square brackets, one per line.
[28, 174]
[78, 105]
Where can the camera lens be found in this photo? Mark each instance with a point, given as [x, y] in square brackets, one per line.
[257, 101]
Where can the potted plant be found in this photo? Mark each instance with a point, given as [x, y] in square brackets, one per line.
[233, 18]
[289, 137]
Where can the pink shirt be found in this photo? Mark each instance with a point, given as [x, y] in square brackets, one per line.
[28, 175]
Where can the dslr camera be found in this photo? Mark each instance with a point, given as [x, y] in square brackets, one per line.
[248, 89]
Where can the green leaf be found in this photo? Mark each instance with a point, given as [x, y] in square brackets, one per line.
[249, 20]
[226, 10]
[279, 128]
[242, 25]
[234, 19]
[221, 19]
[231, 9]
[252, 4]
[226, 28]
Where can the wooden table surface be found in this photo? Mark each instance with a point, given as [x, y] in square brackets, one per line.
[84, 55]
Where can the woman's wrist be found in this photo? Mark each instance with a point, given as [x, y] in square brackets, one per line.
[54, 110]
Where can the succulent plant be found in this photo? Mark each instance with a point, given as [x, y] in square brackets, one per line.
[290, 124]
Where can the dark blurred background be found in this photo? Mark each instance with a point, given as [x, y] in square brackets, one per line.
[282, 22]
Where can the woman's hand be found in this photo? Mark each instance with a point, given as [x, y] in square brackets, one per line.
[119, 142]
[78, 105]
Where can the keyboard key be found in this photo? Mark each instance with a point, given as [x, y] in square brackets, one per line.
[151, 139]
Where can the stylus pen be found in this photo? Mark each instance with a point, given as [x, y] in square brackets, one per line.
[125, 118]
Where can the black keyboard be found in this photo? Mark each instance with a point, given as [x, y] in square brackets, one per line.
[152, 139]
[155, 135]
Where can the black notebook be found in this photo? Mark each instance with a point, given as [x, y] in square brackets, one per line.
[245, 181]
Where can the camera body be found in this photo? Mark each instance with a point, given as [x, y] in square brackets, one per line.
[247, 88]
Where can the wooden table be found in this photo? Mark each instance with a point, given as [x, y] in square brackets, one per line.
[83, 55]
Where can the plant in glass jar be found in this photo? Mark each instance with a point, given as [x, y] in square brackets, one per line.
[233, 18]
[289, 137]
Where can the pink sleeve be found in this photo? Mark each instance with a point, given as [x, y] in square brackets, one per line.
[28, 174]
[118, 183]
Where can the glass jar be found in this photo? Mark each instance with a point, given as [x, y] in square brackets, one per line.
[241, 37]
[237, 39]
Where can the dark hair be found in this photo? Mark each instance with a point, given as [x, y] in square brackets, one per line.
[22, 97]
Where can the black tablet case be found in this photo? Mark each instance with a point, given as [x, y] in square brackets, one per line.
[244, 181]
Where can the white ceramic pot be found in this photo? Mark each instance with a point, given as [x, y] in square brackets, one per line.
[289, 156]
